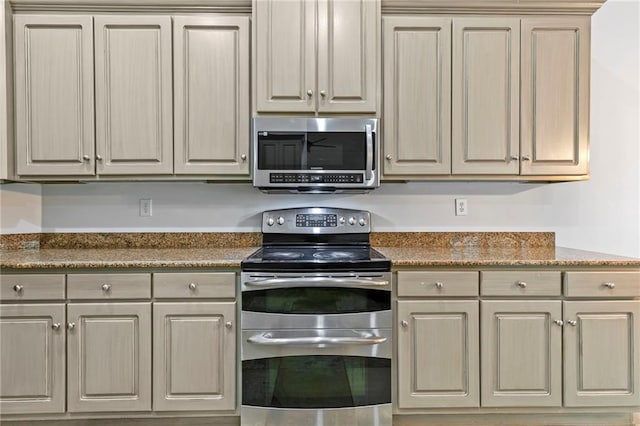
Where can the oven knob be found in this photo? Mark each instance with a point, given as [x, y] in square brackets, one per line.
[281, 220]
[270, 221]
[352, 221]
[362, 222]
[342, 220]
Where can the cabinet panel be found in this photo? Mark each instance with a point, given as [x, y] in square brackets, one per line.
[211, 85]
[202, 377]
[555, 96]
[347, 55]
[32, 360]
[54, 95]
[32, 287]
[109, 286]
[109, 357]
[438, 354]
[417, 88]
[486, 66]
[285, 37]
[521, 353]
[133, 94]
[520, 283]
[602, 354]
[603, 284]
[194, 284]
[437, 283]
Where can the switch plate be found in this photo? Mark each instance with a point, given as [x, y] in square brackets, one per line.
[461, 207]
[145, 207]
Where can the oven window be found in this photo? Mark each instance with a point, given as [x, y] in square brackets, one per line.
[316, 300]
[281, 151]
[336, 150]
[316, 381]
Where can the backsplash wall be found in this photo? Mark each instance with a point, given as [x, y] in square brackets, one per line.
[602, 214]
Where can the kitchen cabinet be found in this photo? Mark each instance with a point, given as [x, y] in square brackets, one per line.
[211, 89]
[54, 104]
[203, 377]
[316, 55]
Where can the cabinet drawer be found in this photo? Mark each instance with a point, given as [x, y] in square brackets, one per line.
[194, 285]
[520, 283]
[109, 286]
[603, 284]
[32, 287]
[437, 284]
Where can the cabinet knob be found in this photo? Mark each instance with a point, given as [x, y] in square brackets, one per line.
[99, 157]
[18, 288]
[404, 324]
[86, 157]
[572, 322]
[71, 326]
[609, 285]
[309, 92]
[559, 322]
[192, 286]
[106, 288]
[521, 284]
[526, 158]
[55, 326]
[515, 157]
[389, 157]
[228, 324]
[439, 285]
[323, 93]
[243, 157]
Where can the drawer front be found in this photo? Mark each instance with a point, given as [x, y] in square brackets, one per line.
[194, 285]
[520, 283]
[437, 284]
[109, 286]
[603, 284]
[32, 287]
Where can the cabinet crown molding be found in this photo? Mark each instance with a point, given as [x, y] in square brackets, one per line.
[520, 7]
[129, 6]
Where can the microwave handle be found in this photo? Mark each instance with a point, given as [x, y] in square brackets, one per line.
[368, 173]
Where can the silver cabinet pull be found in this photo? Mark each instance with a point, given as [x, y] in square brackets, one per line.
[228, 324]
[404, 324]
[193, 286]
[515, 157]
[609, 285]
[106, 288]
[309, 92]
[243, 157]
[18, 288]
[71, 326]
[521, 284]
[559, 322]
[439, 285]
[526, 158]
[56, 326]
[99, 157]
[86, 157]
[572, 322]
[389, 157]
[323, 93]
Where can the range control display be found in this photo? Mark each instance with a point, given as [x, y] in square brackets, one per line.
[316, 220]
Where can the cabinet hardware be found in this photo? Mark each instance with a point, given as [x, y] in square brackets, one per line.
[572, 322]
[71, 326]
[404, 324]
[310, 93]
[55, 326]
[515, 157]
[521, 284]
[99, 157]
[558, 322]
[106, 287]
[192, 286]
[323, 93]
[439, 285]
[228, 324]
[526, 158]
[86, 157]
[389, 157]
[243, 157]
[609, 285]
[18, 288]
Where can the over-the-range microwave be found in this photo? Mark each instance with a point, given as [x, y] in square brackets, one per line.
[315, 155]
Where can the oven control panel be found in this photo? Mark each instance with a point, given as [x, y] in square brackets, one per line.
[316, 220]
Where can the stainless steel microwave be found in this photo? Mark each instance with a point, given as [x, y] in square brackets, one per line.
[315, 155]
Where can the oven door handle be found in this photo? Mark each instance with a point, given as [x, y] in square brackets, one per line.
[369, 171]
[268, 339]
[316, 282]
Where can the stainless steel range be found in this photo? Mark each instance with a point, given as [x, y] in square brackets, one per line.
[316, 322]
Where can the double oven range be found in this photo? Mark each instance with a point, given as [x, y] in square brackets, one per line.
[316, 322]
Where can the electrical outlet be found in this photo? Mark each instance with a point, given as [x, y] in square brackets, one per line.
[461, 207]
[145, 207]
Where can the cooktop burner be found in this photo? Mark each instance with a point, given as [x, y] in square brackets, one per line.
[334, 255]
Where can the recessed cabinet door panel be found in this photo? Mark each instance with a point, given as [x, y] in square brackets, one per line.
[555, 96]
[109, 357]
[348, 37]
[417, 88]
[211, 85]
[285, 37]
[54, 95]
[486, 66]
[438, 354]
[194, 356]
[32, 361]
[521, 353]
[133, 95]
[602, 354]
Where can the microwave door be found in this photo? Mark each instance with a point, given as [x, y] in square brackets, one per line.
[282, 151]
[336, 151]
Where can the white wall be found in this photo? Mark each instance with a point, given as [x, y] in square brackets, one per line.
[20, 209]
[602, 214]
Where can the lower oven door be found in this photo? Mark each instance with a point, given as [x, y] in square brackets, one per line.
[316, 377]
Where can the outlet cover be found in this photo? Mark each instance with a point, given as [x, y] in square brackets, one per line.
[145, 207]
[461, 207]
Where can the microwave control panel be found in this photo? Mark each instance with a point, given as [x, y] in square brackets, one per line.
[316, 178]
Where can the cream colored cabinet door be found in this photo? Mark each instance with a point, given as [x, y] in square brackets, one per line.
[417, 95]
[348, 45]
[109, 357]
[521, 353]
[438, 354]
[486, 96]
[555, 96]
[285, 55]
[32, 361]
[602, 353]
[194, 356]
[134, 119]
[54, 95]
[211, 89]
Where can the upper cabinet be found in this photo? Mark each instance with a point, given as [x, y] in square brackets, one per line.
[316, 55]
